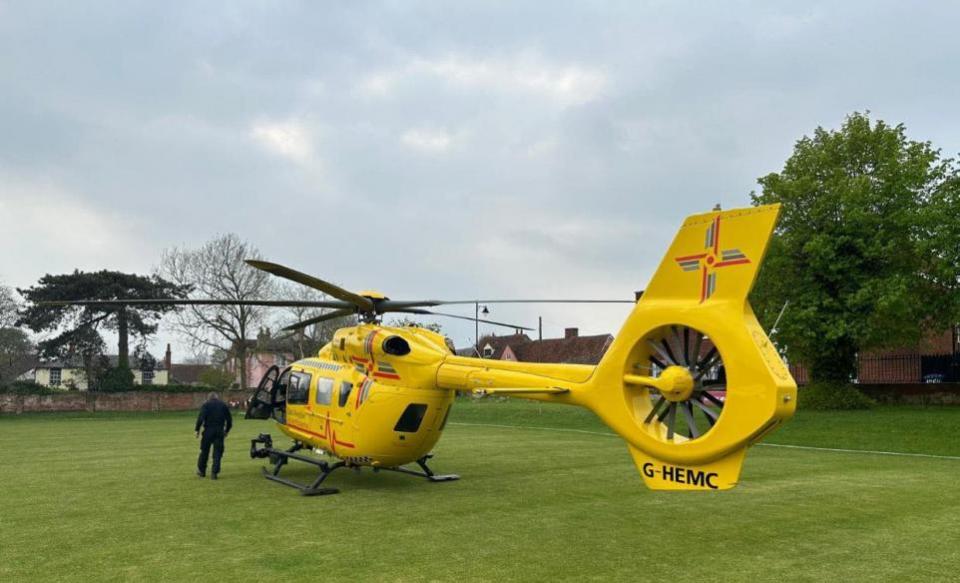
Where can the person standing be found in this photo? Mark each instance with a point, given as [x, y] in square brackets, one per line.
[216, 422]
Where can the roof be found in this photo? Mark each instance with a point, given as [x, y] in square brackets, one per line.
[499, 343]
[575, 350]
[77, 362]
[268, 345]
[187, 374]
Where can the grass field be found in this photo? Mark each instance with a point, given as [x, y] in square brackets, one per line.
[112, 497]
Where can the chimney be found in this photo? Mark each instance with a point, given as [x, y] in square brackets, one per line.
[570, 332]
[167, 358]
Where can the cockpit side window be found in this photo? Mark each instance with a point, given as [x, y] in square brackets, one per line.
[324, 391]
[298, 392]
[345, 390]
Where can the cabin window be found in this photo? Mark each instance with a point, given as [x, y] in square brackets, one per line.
[411, 419]
[324, 391]
[55, 377]
[298, 391]
[345, 390]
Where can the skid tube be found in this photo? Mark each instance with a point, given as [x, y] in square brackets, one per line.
[279, 458]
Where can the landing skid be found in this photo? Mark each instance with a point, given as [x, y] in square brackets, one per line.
[279, 458]
[425, 473]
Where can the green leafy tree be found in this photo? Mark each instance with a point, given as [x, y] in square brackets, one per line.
[16, 354]
[216, 378]
[79, 326]
[861, 251]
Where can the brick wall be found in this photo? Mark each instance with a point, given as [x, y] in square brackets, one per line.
[91, 401]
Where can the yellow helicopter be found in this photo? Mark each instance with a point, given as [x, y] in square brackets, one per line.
[690, 382]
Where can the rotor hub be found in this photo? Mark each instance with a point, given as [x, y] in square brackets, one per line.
[676, 384]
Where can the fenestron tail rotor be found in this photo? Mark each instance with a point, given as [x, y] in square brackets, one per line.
[684, 377]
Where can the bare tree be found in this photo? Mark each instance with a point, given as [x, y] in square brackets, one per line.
[217, 271]
[307, 341]
[8, 307]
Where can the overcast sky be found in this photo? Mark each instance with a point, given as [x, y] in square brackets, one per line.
[433, 149]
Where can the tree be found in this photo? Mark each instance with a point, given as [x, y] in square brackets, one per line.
[16, 354]
[8, 307]
[81, 323]
[407, 321]
[216, 378]
[861, 251]
[217, 271]
[307, 341]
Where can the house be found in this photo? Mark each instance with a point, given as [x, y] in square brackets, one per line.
[183, 374]
[71, 374]
[262, 353]
[571, 349]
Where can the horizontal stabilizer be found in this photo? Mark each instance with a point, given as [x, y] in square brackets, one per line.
[523, 391]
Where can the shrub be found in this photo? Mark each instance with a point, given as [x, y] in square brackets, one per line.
[177, 388]
[28, 388]
[217, 378]
[835, 396]
[116, 380]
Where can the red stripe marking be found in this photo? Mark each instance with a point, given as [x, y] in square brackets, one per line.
[320, 435]
[732, 262]
[344, 443]
[359, 390]
[690, 257]
[359, 360]
[716, 234]
[386, 375]
[703, 285]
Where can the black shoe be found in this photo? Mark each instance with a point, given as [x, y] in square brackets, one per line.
[201, 474]
[213, 476]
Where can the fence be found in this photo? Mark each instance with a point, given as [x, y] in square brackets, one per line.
[889, 369]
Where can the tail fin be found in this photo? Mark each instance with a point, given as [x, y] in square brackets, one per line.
[692, 380]
[715, 256]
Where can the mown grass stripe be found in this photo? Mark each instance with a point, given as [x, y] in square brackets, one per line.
[783, 445]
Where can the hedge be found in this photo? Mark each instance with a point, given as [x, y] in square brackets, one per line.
[32, 388]
[833, 396]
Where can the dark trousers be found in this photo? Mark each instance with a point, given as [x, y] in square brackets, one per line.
[206, 440]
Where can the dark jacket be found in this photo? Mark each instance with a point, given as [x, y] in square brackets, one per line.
[214, 417]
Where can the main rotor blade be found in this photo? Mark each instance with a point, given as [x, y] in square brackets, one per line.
[201, 302]
[321, 318]
[490, 322]
[397, 305]
[365, 304]
[451, 302]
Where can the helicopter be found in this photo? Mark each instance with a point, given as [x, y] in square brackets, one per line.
[689, 382]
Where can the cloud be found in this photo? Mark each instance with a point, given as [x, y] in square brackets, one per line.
[524, 73]
[287, 139]
[47, 229]
[427, 140]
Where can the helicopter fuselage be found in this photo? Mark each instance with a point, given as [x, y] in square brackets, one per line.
[366, 406]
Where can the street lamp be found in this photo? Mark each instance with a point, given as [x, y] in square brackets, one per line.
[476, 326]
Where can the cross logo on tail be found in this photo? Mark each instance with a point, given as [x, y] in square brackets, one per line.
[710, 260]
